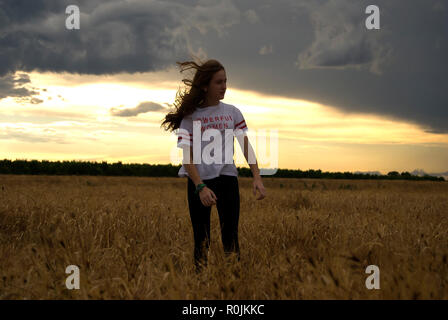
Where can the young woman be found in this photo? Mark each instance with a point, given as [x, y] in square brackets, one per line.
[210, 182]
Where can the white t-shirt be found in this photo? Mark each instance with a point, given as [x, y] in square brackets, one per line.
[225, 118]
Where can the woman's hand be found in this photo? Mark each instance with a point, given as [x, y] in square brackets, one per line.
[258, 184]
[208, 198]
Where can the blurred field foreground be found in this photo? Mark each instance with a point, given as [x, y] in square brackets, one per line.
[131, 238]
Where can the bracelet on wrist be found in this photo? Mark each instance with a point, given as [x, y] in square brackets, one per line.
[199, 187]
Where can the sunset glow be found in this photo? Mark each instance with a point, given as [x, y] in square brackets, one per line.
[75, 121]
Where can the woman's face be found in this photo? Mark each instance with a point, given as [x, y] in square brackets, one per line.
[217, 87]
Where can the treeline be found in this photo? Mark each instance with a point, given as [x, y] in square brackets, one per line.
[45, 167]
[392, 175]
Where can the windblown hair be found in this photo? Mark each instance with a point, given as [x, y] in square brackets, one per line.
[187, 101]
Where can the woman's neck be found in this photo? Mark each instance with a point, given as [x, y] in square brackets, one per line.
[211, 104]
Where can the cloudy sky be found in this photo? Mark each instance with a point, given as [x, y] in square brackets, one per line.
[340, 96]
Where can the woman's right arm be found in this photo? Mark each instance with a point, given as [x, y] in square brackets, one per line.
[192, 170]
[206, 195]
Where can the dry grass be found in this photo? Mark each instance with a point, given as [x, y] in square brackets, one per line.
[310, 239]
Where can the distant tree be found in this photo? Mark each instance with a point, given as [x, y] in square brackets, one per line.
[393, 173]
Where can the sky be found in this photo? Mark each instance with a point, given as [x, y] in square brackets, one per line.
[325, 91]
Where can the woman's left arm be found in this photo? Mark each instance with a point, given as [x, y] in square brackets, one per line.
[257, 183]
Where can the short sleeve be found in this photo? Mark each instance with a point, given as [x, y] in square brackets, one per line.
[238, 121]
[185, 132]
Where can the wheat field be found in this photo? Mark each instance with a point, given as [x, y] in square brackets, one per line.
[131, 238]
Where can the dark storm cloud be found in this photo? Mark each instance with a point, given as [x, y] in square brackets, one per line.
[141, 108]
[322, 52]
[317, 50]
[114, 36]
[341, 39]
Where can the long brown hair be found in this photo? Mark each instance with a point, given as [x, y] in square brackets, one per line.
[187, 101]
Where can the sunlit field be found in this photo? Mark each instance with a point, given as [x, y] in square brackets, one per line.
[131, 238]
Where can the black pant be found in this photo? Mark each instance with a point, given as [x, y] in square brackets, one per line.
[228, 205]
